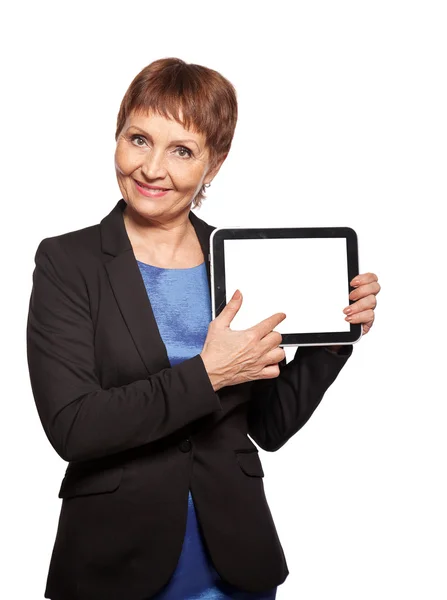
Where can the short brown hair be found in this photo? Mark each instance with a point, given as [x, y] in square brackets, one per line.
[206, 99]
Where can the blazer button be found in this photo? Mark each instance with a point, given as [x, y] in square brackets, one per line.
[185, 446]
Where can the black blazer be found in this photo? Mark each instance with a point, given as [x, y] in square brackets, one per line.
[138, 433]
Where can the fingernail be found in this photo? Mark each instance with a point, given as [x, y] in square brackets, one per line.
[347, 311]
[237, 295]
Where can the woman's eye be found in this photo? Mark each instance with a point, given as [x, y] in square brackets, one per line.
[135, 138]
[183, 149]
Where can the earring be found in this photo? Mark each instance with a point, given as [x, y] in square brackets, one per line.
[207, 185]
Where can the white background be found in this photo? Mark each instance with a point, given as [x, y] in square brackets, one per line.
[342, 123]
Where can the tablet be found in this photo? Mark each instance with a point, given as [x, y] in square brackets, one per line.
[302, 272]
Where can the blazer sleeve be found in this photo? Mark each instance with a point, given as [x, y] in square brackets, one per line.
[279, 407]
[81, 420]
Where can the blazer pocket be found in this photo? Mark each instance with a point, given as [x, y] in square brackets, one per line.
[81, 482]
[250, 462]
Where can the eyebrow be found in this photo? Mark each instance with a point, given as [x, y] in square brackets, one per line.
[173, 141]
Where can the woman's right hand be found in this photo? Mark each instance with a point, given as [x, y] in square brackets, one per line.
[232, 357]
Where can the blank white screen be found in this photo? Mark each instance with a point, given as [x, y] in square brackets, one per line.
[307, 279]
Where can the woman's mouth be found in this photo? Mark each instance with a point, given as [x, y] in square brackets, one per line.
[150, 191]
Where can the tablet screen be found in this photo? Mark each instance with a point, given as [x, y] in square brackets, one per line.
[304, 278]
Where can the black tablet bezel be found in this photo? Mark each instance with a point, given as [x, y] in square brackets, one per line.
[218, 290]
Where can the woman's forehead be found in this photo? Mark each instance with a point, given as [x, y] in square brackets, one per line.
[153, 120]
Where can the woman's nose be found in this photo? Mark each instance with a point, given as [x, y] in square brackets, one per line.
[154, 166]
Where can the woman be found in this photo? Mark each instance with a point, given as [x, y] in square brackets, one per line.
[148, 400]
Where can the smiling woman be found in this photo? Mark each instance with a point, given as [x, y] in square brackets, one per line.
[149, 400]
[202, 105]
[158, 158]
[170, 146]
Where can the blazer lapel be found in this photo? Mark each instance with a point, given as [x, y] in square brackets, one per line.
[128, 286]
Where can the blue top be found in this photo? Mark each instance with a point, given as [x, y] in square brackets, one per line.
[181, 303]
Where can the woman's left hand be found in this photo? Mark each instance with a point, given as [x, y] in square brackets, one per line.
[362, 310]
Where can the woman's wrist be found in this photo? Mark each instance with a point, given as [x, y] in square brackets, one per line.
[214, 379]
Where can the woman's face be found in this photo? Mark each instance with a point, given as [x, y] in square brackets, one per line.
[155, 152]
